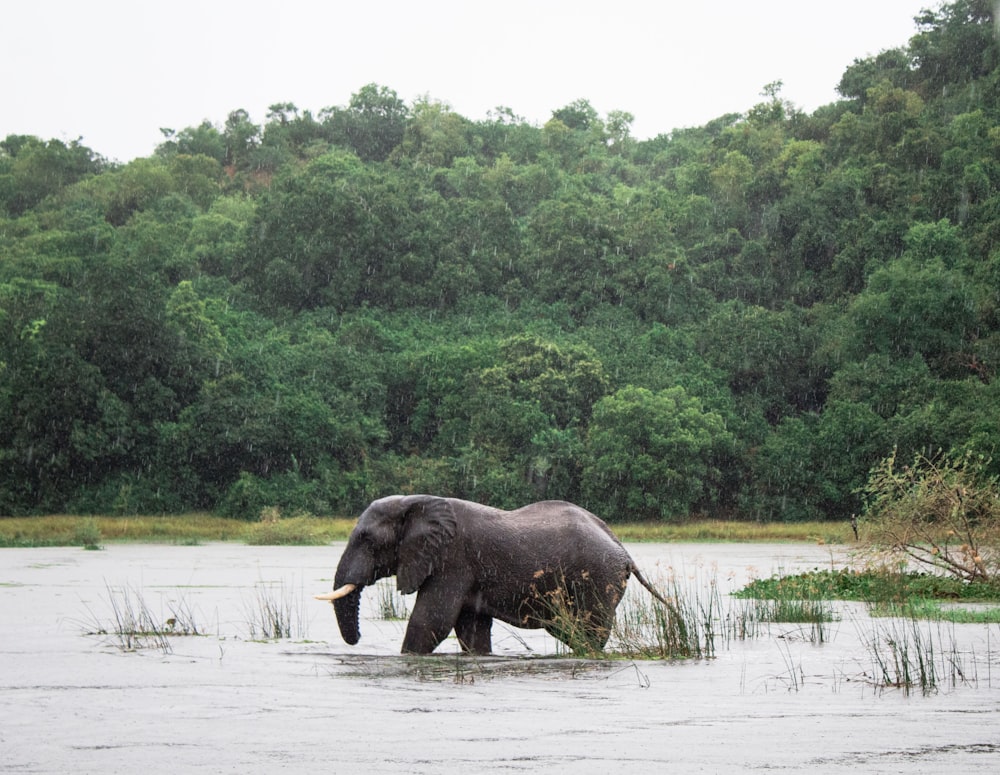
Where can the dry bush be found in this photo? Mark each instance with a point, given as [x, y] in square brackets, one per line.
[943, 512]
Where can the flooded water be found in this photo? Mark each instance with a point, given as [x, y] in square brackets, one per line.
[227, 701]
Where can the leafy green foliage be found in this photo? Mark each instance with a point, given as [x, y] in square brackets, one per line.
[651, 455]
[741, 318]
[870, 586]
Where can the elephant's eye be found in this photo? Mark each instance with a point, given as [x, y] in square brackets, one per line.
[368, 538]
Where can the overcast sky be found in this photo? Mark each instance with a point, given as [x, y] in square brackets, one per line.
[115, 71]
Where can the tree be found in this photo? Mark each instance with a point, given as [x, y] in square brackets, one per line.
[435, 135]
[202, 140]
[517, 422]
[652, 455]
[31, 169]
[916, 307]
[892, 65]
[373, 123]
[241, 136]
[333, 234]
[955, 44]
[578, 115]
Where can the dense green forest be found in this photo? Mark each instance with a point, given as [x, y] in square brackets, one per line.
[737, 320]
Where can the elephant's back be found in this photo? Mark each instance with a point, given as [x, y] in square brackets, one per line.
[550, 524]
[564, 515]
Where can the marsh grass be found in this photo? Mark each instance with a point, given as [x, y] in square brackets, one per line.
[714, 530]
[574, 627]
[201, 527]
[134, 625]
[696, 622]
[274, 613]
[909, 654]
[647, 629]
[187, 529]
[62, 530]
[751, 618]
[87, 534]
[297, 531]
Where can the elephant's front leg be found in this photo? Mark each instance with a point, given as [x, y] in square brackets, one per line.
[434, 615]
[474, 632]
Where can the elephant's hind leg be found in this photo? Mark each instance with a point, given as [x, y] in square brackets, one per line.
[474, 632]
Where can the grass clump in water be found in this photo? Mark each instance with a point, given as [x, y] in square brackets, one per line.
[274, 614]
[909, 654]
[696, 621]
[684, 629]
[134, 625]
[391, 604]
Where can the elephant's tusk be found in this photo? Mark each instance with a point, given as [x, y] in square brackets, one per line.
[338, 593]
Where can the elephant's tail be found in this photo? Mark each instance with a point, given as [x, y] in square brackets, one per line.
[649, 587]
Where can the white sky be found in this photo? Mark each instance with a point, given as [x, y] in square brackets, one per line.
[114, 71]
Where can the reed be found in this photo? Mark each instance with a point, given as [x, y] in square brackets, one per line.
[391, 604]
[274, 613]
[134, 625]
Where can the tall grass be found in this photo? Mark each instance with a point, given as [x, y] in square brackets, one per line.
[695, 623]
[66, 530]
[275, 613]
[187, 529]
[697, 530]
[748, 618]
[910, 654]
[686, 628]
[391, 604]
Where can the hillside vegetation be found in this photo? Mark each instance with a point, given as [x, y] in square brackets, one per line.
[738, 319]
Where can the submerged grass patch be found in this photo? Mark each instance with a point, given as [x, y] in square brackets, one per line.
[937, 610]
[391, 604]
[869, 585]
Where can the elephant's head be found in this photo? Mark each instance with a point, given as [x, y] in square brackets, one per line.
[401, 535]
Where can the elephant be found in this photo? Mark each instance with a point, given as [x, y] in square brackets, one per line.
[550, 564]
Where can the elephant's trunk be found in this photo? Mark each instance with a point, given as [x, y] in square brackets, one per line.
[355, 569]
[347, 610]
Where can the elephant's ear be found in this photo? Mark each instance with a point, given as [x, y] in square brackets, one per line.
[429, 525]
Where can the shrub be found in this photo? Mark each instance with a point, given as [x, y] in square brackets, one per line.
[942, 512]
